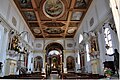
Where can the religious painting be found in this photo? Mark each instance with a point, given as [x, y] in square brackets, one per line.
[80, 4]
[25, 3]
[94, 46]
[54, 24]
[76, 15]
[53, 8]
[54, 30]
[30, 15]
[70, 63]
[38, 63]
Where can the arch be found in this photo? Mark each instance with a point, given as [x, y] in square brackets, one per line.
[70, 62]
[53, 46]
[38, 63]
[50, 42]
[57, 54]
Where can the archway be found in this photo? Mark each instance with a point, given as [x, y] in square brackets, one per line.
[70, 63]
[38, 63]
[54, 58]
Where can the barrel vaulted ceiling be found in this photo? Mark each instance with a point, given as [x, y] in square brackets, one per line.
[53, 18]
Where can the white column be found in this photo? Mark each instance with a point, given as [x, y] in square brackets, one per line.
[44, 63]
[64, 64]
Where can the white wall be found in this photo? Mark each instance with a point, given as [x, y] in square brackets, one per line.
[8, 10]
[69, 41]
[100, 11]
[4, 5]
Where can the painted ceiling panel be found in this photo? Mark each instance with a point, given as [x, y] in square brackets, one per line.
[53, 18]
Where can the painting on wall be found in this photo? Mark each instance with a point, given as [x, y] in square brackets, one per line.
[38, 63]
[70, 63]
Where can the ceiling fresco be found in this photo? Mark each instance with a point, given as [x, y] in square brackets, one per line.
[53, 18]
[25, 3]
[53, 8]
[30, 15]
[54, 30]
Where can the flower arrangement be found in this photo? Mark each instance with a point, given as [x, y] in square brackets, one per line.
[108, 72]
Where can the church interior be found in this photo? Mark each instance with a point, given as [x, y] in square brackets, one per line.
[59, 39]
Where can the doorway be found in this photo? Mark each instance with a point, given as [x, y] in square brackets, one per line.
[54, 58]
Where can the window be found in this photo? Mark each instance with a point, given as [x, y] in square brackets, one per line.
[54, 52]
[87, 51]
[108, 41]
[80, 38]
[78, 58]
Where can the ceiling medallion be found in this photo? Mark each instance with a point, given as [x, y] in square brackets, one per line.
[53, 8]
[36, 30]
[70, 31]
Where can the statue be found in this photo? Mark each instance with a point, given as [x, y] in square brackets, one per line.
[15, 43]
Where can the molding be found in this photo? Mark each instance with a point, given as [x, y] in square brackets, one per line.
[5, 24]
[39, 51]
[68, 51]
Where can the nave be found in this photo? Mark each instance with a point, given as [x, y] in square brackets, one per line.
[59, 39]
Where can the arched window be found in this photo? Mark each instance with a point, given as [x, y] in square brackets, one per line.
[108, 41]
[80, 38]
[78, 59]
[54, 52]
[87, 51]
